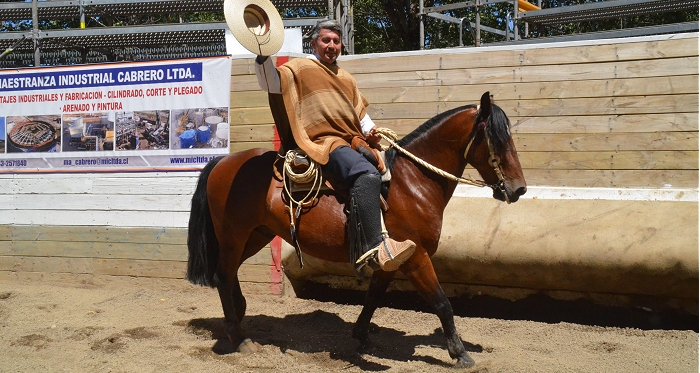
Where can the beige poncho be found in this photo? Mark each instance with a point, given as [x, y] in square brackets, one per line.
[323, 106]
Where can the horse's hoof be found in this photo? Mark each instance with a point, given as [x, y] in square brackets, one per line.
[465, 362]
[366, 347]
[249, 347]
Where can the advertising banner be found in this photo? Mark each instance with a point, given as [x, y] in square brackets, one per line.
[164, 115]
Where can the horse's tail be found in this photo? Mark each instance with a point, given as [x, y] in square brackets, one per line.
[202, 244]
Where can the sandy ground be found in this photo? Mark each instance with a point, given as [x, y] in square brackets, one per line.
[146, 325]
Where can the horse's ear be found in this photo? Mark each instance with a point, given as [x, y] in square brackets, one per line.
[485, 106]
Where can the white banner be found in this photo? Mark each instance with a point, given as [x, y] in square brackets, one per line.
[165, 115]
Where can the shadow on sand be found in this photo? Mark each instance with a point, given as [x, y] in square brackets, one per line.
[321, 331]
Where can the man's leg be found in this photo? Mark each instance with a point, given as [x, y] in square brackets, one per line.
[363, 180]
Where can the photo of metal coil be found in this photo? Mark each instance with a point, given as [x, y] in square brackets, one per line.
[33, 135]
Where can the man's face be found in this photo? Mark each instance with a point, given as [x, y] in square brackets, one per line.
[327, 46]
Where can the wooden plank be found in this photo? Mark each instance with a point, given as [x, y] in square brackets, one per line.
[658, 49]
[40, 184]
[246, 66]
[111, 250]
[486, 75]
[242, 66]
[241, 83]
[469, 94]
[255, 132]
[263, 257]
[607, 141]
[78, 202]
[126, 267]
[115, 267]
[647, 50]
[96, 218]
[612, 178]
[120, 267]
[106, 242]
[259, 115]
[432, 61]
[5, 233]
[604, 106]
[115, 235]
[544, 55]
[550, 107]
[70, 278]
[670, 122]
[116, 173]
[249, 99]
[241, 146]
[122, 183]
[624, 160]
[146, 184]
[105, 250]
[257, 288]
[52, 265]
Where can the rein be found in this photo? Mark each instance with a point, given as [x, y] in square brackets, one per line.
[313, 173]
[390, 136]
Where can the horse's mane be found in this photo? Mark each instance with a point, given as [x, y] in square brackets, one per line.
[497, 125]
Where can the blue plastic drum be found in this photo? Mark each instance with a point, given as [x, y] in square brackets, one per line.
[203, 133]
[187, 139]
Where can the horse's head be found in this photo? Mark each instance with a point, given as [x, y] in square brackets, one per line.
[492, 152]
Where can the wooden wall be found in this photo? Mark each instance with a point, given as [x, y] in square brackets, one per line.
[618, 113]
[67, 227]
[621, 113]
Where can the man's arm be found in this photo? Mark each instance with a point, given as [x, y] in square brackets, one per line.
[367, 124]
[368, 128]
[268, 77]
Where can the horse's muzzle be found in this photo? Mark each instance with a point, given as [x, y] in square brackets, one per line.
[513, 196]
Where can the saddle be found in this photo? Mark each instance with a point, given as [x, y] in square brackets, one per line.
[298, 163]
[299, 173]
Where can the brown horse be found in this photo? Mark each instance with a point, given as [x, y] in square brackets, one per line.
[239, 207]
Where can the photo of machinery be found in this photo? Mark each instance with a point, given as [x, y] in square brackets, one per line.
[40, 133]
[199, 128]
[141, 130]
[88, 132]
[2, 135]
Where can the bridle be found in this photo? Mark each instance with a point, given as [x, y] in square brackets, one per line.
[495, 160]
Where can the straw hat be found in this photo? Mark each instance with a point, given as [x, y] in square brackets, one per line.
[256, 24]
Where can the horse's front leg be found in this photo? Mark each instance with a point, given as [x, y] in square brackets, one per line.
[377, 288]
[420, 272]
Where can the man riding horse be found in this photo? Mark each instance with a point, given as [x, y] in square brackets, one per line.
[318, 107]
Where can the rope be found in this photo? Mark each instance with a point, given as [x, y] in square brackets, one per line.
[303, 178]
[390, 136]
[312, 174]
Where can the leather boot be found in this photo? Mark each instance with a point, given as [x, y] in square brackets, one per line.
[374, 243]
[392, 254]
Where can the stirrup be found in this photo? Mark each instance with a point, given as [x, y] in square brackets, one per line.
[367, 256]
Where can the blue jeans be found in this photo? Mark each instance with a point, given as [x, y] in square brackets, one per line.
[345, 165]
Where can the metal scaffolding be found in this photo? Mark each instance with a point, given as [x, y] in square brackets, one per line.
[525, 12]
[107, 42]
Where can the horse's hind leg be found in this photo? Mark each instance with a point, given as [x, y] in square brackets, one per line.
[232, 300]
[422, 276]
[377, 288]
